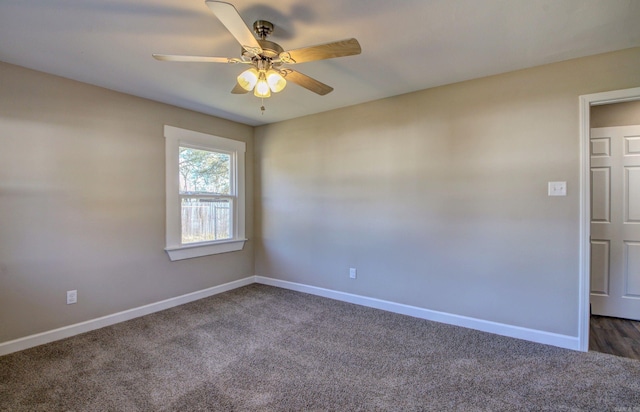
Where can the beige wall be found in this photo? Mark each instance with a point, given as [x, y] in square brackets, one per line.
[82, 203]
[439, 198]
[617, 114]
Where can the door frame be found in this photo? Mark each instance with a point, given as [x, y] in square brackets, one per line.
[586, 101]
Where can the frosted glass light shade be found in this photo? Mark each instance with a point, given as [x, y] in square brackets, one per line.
[262, 87]
[276, 81]
[248, 79]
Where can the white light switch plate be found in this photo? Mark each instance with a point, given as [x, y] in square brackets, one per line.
[557, 188]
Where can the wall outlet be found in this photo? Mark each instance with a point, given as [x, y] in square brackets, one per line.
[72, 297]
[352, 273]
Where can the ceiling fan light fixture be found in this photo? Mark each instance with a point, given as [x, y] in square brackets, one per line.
[248, 79]
[266, 58]
[275, 80]
[262, 87]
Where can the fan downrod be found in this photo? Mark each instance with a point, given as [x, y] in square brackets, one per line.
[270, 50]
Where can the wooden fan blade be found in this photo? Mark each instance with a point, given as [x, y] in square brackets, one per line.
[239, 90]
[196, 59]
[229, 16]
[348, 47]
[305, 81]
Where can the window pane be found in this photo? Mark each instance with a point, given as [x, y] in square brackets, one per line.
[205, 220]
[203, 171]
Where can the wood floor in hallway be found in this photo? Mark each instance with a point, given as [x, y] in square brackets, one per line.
[615, 336]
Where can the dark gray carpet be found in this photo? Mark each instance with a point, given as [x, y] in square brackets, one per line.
[261, 348]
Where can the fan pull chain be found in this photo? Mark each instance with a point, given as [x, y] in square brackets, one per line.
[262, 108]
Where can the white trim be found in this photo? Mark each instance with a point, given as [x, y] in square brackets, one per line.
[174, 138]
[89, 325]
[586, 101]
[548, 338]
[533, 335]
[203, 140]
[191, 251]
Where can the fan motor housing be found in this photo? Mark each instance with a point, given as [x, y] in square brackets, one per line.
[270, 50]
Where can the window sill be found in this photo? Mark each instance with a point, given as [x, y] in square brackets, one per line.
[198, 250]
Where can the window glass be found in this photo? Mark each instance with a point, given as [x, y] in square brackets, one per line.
[204, 171]
[205, 220]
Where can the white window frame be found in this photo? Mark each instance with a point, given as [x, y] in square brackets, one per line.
[176, 137]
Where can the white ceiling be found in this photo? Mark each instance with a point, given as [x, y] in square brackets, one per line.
[407, 45]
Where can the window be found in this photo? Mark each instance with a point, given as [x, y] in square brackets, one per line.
[205, 194]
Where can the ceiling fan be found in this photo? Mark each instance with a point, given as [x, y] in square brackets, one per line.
[267, 59]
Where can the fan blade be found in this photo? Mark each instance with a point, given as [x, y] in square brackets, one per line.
[305, 81]
[239, 90]
[340, 48]
[196, 59]
[229, 16]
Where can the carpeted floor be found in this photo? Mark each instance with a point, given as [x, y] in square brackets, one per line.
[261, 348]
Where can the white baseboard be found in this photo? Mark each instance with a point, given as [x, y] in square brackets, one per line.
[548, 338]
[533, 335]
[82, 327]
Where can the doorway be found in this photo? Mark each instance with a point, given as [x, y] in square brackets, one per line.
[586, 104]
[615, 212]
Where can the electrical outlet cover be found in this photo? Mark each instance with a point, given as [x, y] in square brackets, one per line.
[72, 297]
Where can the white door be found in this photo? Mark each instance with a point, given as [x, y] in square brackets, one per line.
[615, 221]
